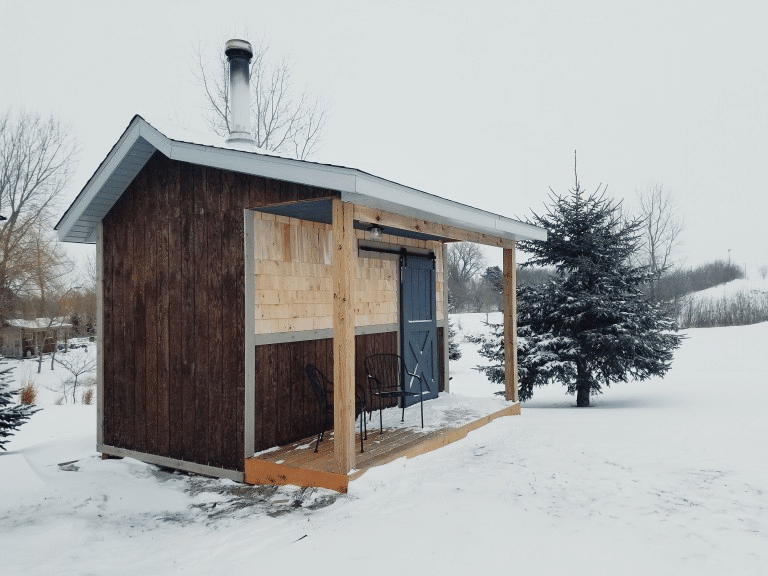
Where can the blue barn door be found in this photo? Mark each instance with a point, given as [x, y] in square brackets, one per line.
[418, 324]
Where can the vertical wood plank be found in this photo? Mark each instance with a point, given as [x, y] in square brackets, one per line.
[119, 276]
[100, 334]
[217, 409]
[256, 191]
[187, 336]
[237, 332]
[161, 360]
[283, 401]
[107, 330]
[176, 367]
[442, 358]
[268, 392]
[138, 228]
[201, 351]
[343, 336]
[510, 326]
[129, 359]
[260, 441]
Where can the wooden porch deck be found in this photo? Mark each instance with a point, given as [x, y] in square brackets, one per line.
[297, 464]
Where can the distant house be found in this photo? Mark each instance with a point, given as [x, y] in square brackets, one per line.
[222, 272]
[24, 338]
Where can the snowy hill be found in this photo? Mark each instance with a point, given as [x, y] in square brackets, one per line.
[754, 288]
[735, 303]
[658, 477]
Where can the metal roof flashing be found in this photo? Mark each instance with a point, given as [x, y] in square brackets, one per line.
[140, 140]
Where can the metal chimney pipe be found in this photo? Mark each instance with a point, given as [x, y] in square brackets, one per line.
[239, 54]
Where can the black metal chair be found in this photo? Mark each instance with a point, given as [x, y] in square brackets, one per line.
[322, 389]
[385, 373]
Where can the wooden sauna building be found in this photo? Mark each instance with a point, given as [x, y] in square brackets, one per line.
[224, 272]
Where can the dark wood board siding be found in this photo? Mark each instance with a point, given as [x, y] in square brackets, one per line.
[440, 360]
[285, 408]
[174, 309]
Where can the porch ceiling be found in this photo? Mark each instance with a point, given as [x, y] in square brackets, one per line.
[320, 211]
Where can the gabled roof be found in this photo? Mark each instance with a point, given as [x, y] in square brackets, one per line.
[140, 140]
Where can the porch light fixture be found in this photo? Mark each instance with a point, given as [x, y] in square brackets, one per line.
[375, 232]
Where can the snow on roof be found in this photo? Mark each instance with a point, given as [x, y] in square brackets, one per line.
[141, 139]
[39, 323]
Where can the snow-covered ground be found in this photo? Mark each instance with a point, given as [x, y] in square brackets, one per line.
[659, 477]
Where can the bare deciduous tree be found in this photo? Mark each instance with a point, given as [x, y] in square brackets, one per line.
[48, 267]
[281, 120]
[36, 158]
[662, 227]
[763, 270]
[465, 261]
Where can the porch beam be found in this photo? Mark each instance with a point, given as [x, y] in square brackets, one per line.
[510, 325]
[344, 252]
[382, 218]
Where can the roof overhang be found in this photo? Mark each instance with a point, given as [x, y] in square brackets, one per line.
[140, 140]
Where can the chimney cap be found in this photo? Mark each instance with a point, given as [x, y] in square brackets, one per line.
[238, 49]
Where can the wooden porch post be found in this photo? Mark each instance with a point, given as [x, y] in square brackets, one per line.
[343, 336]
[510, 326]
[446, 328]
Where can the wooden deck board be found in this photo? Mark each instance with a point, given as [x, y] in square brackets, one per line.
[298, 464]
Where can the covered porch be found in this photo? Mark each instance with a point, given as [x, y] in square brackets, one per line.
[339, 459]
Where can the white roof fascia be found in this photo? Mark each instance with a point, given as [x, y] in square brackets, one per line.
[159, 140]
[375, 192]
[311, 174]
[103, 173]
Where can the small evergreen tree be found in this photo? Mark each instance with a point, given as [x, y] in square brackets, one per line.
[11, 415]
[454, 352]
[591, 324]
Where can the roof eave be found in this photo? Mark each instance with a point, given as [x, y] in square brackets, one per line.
[355, 186]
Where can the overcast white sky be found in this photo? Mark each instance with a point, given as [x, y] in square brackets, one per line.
[480, 102]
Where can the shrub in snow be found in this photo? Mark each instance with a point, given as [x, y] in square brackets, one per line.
[591, 324]
[12, 416]
[28, 394]
[78, 364]
[737, 309]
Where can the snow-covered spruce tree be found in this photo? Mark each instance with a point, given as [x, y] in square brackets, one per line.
[591, 324]
[11, 415]
[454, 352]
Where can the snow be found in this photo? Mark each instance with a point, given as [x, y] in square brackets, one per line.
[40, 323]
[658, 477]
[755, 288]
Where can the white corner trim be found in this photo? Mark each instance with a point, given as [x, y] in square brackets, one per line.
[249, 402]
